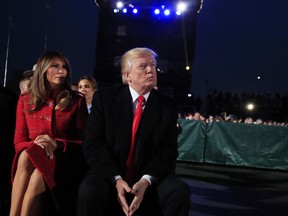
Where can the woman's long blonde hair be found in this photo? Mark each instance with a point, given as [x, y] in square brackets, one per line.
[39, 87]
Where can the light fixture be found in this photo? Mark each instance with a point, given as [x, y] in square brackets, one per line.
[170, 9]
[181, 7]
[157, 11]
[250, 106]
[167, 12]
[119, 4]
[135, 10]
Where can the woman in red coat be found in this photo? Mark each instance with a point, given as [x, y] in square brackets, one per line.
[49, 126]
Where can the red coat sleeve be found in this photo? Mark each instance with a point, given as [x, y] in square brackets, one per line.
[21, 138]
[77, 119]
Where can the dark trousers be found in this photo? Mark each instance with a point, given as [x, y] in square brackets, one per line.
[98, 197]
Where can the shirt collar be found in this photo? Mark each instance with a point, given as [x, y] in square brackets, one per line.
[135, 95]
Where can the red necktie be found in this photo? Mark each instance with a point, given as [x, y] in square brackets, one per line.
[131, 155]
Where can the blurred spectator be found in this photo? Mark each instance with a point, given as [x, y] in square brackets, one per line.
[189, 116]
[197, 116]
[87, 85]
[219, 118]
[23, 85]
[24, 82]
[74, 86]
[29, 73]
[259, 121]
[249, 120]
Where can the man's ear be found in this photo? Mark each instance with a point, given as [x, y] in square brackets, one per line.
[127, 76]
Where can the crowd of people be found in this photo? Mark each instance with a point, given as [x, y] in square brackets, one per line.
[197, 116]
[268, 109]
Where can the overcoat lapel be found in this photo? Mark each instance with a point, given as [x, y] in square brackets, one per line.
[123, 121]
[151, 116]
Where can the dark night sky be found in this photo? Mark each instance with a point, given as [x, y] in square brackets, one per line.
[71, 28]
[236, 41]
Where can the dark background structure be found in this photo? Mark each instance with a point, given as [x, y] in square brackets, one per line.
[172, 38]
[229, 44]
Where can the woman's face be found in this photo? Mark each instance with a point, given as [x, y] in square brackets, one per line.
[85, 88]
[56, 74]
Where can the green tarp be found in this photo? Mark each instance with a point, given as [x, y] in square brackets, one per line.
[191, 141]
[234, 144]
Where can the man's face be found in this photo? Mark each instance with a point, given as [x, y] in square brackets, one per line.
[143, 76]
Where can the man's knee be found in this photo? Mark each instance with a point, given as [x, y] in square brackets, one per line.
[181, 192]
[184, 190]
[174, 196]
[174, 188]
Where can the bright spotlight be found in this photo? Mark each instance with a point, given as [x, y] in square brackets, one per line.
[135, 11]
[181, 6]
[124, 10]
[187, 67]
[167, 12]
[116, 10]
[250, 106]
[119, 5]
[156, 11]
[178, 13]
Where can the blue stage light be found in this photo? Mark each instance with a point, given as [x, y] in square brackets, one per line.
[135, 10]
[167, 12]
[124, 10]
[157, 11]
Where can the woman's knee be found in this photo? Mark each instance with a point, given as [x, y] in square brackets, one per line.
[24, 163]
